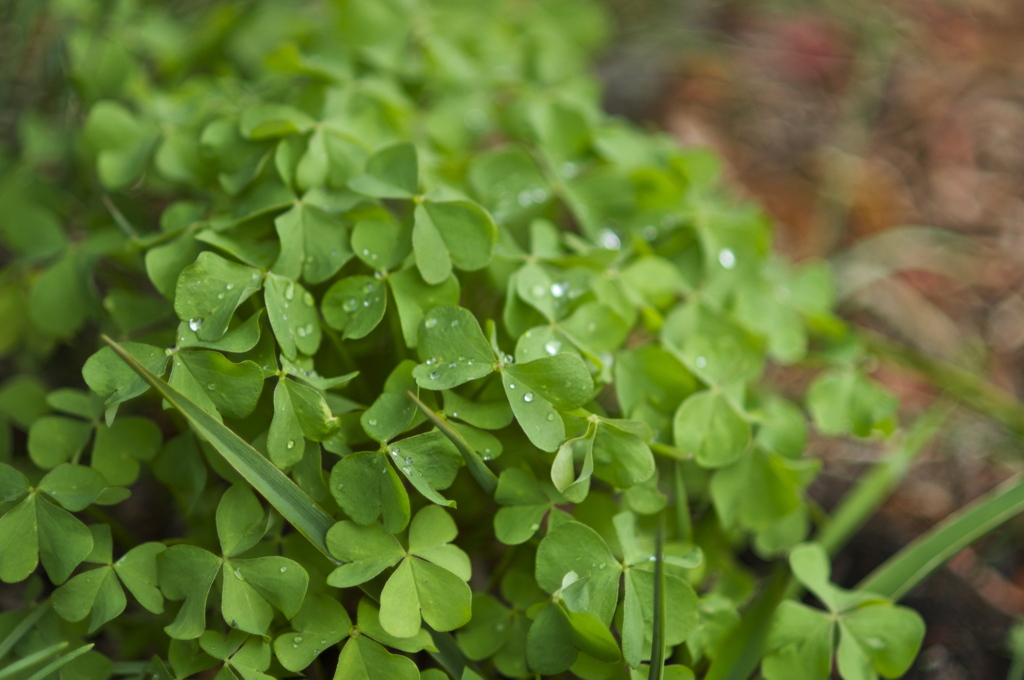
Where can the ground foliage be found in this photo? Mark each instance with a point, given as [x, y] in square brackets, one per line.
[356, 248]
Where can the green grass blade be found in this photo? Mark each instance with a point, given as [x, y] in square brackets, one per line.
[57, 664]
[279, 490]
[876, 485]
[916, 561]
[27, 662]
[657, 668]
[481, 473]
[24, 626]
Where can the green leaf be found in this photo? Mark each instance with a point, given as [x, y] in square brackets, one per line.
[187, 573]
[354, 305]
[414, 298]
[53, 440]
[320, 623]
[369, 624]
[392, 172]
[562, 379]
[216, 383]
[550, 647]
[108, 376]
[273, 120]
[210, 290]
[621, 455]
[119, 448]
[488, 630]
[448, 233]
[890, 637]
[241, 521]
[368, 550]
[525, 506]
[36, 530]
[364, 659]
[252, 586]
[453, 348]
[299, 411]
[59, 301]
[572, 546]
[422, 588]
[380, 242]
[314, 244]
[367, 487]
[73, 486]
[241, 338]
[96, 591]
[137, 570]
[293, 316]
[844, 401]
[708, 427]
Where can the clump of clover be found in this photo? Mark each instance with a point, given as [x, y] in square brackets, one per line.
[436, 346]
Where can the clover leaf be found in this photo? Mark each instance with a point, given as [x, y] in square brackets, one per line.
[525, 503]
[314, 244]
[430, 581]
[845, 402]
[244, 657]
[875, 638]
[210, 290]
[613, 450]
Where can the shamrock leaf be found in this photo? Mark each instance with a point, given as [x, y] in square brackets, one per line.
[451, 233]
[844, 402]
[300, 411]
[314, 244]
[363, 659]
[293, 317]
[113, 380]
[366, 487]
[210, 290]
[244, 657]
[708, 427]
[453, 348]
[430, 581]
[525, 503]
[215, 383]
[613, 450]
[536, 390]
[36, 529]
[875, 638]
[392, 172]
[414, 297]
[116, 449]
[354, 305]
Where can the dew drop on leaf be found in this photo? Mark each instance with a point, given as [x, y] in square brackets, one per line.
[289, 292]
[538, 291]
[539, 195]
[533, 527]
[552, 347]
[431, 361]
[435, 375]
[290, 444]
[701, 362]
[454, 323]
[609, 239]
[195, 324]
[371, 422]
[431, 322]
[511, 386]
[238, 575]
[229, 286]
[551, 416]
[308, 299]
[528, 397]
[727, 258]
[368, 288]
[525, 198]
[211, 386]
[284, 569]
[350, 305]
[558, 289]
[453, 365]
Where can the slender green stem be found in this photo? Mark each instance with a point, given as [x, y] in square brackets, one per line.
[26, 662]
[23, 627]
[683, 523]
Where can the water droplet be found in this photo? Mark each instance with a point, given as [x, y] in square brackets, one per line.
[602, 565]
[701, 362]
[407, 460]
[435, 375]
[368, 288]
[406, 469]
[211, 386]
[255, 277]
[308, 299]
[511, 386]
[431, 361]
[609, 239]
[558, 289]
[650, 232]
[552, 347]
[727, 258]
[431, 322]
[239, 575]
[301, 332]
[455, 414]
[371, 422]
[538, 291]
[308, 328]
[652, 558]
[534, 527]
[229, 286]
[469, 363]
[284, 569]
[539, 195]
[528, 397]
[195, 324]
[551, 416]
[173, 349]
[569, 170]
[453, 365]
[395, 451]
[454, 323]
[366, 303]
[220, 296]
[508, 359]
[590, 327]
[525, 198]
[366, 251]
[178, 364]
[323, 642]
[284, 317]
[350, 305]
[297, 639]
[289, 292]
[290, 444]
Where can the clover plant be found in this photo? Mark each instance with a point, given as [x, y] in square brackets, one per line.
[455, 375]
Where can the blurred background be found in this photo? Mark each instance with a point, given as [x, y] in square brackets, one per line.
[885, 137]
[888, 138]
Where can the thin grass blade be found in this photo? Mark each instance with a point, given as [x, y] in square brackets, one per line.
[26, 662]
[481, 473]
[57, 664]
[280, 491]
[23, 627]
[915, 562]
[657, 667]
[740, 653]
